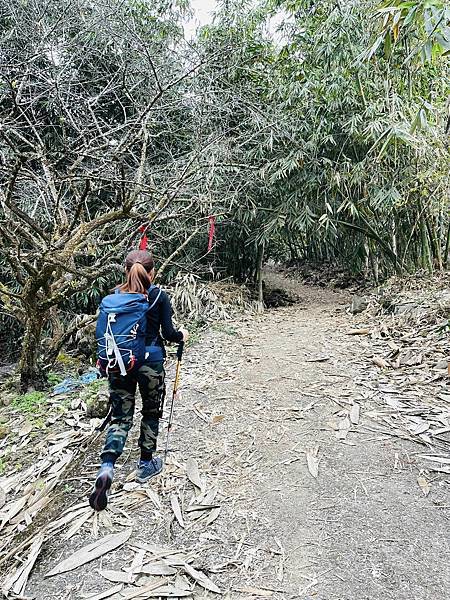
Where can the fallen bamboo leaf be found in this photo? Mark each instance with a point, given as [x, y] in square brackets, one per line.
[253, 591]
[169, 591]
[130, 486]
[217, 419]
[201, 578]
[309, 406]
[213, 515]
[91, 552]
[174, 503]
[159, 552]
[15, 481]
[25, 430]
[31, 511]
[153, 496]
[312, 461]
[158, 568]
[95, 520]
[321, 358]
[68, 518]
[358, 332]
[411, 360]
[380, 362]
[280, 568]
[137, 563]
[344, 428]
[419, 427]
[78, 524]
[181, 582]
[440, 470]
[13, 509]
[206, 497]
[424, 485]
[354, 413]
[44, 491]
[117, 576]
[105, 594]
[200, 413]
[144, 590]
[60, 465]
[105, 519]
[18, 580]
[439, 459]
[200, 507]
[193, 473]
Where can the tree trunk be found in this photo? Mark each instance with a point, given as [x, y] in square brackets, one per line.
[366, 258]
[427, 262]
[259, 279]
[394, 237]
[434, 242]
[375, 267]
[292, 249]
[31, 373]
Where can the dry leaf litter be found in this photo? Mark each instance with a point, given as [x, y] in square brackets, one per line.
[403, 358]
[404, 333]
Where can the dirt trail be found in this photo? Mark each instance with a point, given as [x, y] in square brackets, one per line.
[257, 397]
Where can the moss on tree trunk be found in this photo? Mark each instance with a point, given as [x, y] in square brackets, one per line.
[30, 368]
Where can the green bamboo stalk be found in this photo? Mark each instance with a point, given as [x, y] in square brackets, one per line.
[447, 248]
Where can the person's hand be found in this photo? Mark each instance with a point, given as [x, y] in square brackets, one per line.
[185, 333]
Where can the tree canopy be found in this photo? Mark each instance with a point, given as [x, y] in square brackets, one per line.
[323, 139]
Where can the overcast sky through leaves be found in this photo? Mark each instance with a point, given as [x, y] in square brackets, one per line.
[203, 14]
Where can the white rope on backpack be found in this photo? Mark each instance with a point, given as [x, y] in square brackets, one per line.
[113, 349]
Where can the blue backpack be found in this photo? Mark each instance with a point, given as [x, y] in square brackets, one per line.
[121, 331]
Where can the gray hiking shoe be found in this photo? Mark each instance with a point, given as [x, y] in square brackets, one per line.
[99, 497]
[148, 469]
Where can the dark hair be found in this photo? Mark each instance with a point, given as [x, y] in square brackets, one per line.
[138, 265]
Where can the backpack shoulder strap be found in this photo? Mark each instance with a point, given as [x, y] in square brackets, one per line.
[151, 288]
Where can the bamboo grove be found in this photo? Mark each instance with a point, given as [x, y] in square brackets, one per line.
[346, 134]
[309, 130]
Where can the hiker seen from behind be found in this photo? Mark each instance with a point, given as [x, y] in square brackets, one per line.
[132, 323]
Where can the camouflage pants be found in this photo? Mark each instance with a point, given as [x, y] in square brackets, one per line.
[122, 390]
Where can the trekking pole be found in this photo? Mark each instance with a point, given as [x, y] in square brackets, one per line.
[176, 384]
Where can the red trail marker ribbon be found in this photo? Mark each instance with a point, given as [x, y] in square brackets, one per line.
[212, 229]
[144, 239]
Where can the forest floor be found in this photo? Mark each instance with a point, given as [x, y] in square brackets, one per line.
[287, 475]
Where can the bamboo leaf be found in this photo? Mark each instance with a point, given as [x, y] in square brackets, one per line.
[91, 552]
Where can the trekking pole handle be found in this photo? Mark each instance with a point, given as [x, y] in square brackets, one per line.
[180, 351]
